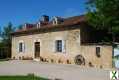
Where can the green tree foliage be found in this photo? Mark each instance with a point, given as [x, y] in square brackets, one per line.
[20, 27]
[6, 37]
[0, 35]
[6, 34]
[104, 15]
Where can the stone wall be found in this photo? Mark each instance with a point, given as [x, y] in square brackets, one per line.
[73, 48]
[105, 59]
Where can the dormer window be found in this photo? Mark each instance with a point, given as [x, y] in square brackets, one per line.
[28, 26]
[57, 20]
[38, 25]
[45, 18]
[25, 25]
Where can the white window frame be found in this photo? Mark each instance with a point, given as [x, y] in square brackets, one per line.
[23, 46]
[38, 25]
[63, 45]
[55, 20]
[58, 46]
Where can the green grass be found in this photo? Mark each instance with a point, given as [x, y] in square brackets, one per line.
[4, 59]
[29, 77]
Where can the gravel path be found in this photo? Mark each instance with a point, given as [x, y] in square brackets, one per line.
[60, 71]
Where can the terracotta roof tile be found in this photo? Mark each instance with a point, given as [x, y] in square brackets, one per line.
[67, 22]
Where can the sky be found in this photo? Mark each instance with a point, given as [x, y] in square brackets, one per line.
[30, 11]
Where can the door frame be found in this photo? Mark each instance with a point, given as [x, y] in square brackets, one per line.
[36, 40]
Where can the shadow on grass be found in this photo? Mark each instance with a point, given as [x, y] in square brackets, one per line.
[5, 59]
[28, 77]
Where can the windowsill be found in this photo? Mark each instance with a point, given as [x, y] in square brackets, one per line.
[60, 52]
[21, 52]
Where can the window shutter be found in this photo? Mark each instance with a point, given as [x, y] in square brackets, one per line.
[53, 46]
[23, 47]
[18, 48]
[63, 46]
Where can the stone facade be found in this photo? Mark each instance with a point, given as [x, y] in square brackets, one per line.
[71, 48]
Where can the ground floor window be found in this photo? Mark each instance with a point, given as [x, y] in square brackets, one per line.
[21, 47]
[58, 45]
[98, 51]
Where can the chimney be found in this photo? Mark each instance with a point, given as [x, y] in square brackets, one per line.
[45, 18]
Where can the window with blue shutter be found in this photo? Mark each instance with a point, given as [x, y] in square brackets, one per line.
[58, 45]
[21, 47]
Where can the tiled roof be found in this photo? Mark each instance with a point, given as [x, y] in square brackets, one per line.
[66, 22]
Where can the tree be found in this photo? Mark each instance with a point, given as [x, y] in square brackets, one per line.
[6, 37]
[6, 34]
[20, 27]
[103, 15]
[0, 35]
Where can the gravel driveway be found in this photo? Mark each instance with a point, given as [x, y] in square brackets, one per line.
[61, 71]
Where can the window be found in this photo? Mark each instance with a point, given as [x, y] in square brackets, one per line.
[54, 22]
[98, 51]
[21, 47]
[58, 45]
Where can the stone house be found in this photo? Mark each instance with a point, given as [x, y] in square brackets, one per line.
[61, 40]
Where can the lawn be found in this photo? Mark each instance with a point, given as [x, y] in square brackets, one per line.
[4, 60]
[29, 77]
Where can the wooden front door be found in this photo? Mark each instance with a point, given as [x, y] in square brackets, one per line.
[37, 49]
